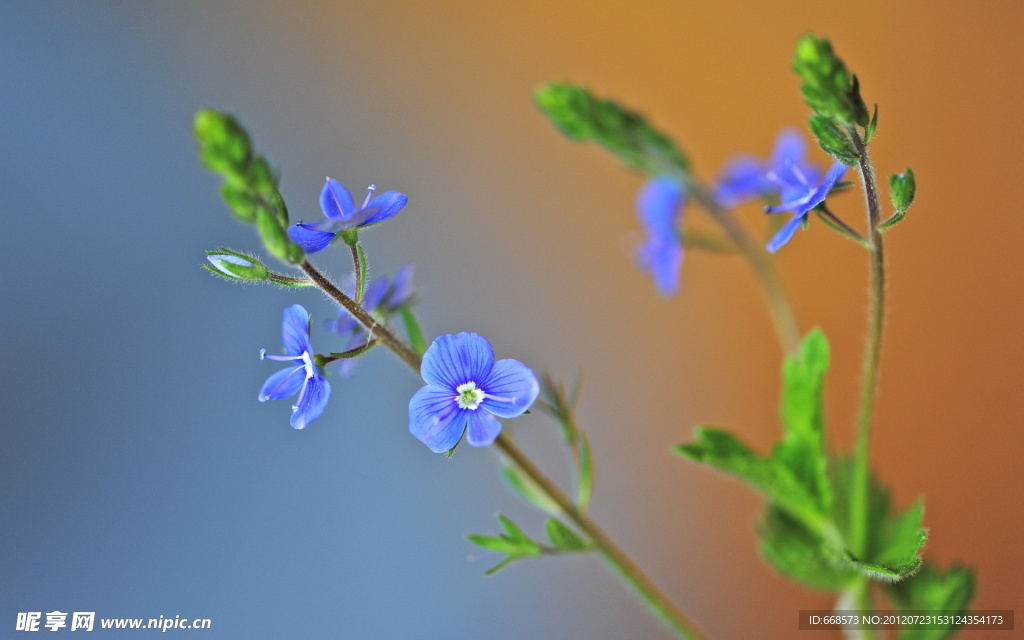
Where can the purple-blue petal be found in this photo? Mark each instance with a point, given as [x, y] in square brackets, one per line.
[309, 238]
[663, 260]
[283, 384]
[743, 179]
[387, 204]
[295, 331]
[336, 201]
[343, 324]
[483, 428]
[658, 205]
[375, 293]
[789, 149]
[456, 359]
[835, 172]
[510, 389]
[436, 419]
[785, 234]
[311, 403]
[401, 287]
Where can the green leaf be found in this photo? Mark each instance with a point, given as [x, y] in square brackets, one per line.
[828, 87]
[413, 329]
[500, 544]
[802, 555]
[363, 268]
[774, 479]
[511, 528]
[903, 188]
[869, 131]
[582, 116]
[832, 140]
[527, 490]
[585, 473]
[802, 448]
[563, 538]
[933, 590]
[894, 539]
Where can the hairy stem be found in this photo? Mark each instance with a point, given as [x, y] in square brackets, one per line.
[655, 600]
[859, 507]
[786, 328]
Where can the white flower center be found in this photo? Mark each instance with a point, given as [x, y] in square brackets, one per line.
[469, 396]
[307, 362]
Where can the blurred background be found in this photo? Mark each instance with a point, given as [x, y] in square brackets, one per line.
[141, 478]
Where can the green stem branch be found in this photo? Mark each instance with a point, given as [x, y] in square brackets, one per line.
[779, 307]
[655, 600]
[859, 507]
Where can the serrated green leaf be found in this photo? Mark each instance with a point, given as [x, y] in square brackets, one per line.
[498, 567]
[562, 537]
[511, 528]
[413, 330]
[585, 472]
[801, 555]
[894, 539]
[802, 448]
[527, 490]
[832, 140]
[933, 590]
[584, 117]
[500, 544]
[774, 479]
[869, 131]
[828, 87]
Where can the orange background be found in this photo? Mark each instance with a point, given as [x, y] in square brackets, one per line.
[526, 237]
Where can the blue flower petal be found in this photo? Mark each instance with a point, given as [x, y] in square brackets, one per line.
[343, 324]
[835, 172]
[436, 419]
[483, 428]
[309, 238]
[375, 292]
[789, 149]
[510, 389]
[743, 179]
[452, 360]
[336, 201]
[387, 204]
[283, 384]
[785, 234]
[658, 205]
[663, 260]
[401, 287]
[312, 401]
[295, 331]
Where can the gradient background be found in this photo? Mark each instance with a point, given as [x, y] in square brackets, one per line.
[141, 478]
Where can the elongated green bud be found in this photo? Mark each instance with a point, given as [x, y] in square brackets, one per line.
[236, 266]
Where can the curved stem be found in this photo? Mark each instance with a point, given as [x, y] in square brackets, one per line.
[783, 318]
[655, 600]
[375, 329]
[859, 507]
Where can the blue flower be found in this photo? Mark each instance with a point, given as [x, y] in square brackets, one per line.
[383, 297]
[800, 197]
[341, 214]
[465, 390]
[746, 178]
[304, 379]
[659, 206]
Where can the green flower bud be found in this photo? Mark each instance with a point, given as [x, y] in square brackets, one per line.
[902, 187]
[236, 266]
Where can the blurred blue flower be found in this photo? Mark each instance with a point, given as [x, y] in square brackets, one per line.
[801, 200]
[304, 379]
[383, 297]
[465, 390]
[341, 214]
[747, 178]
[659, 207]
